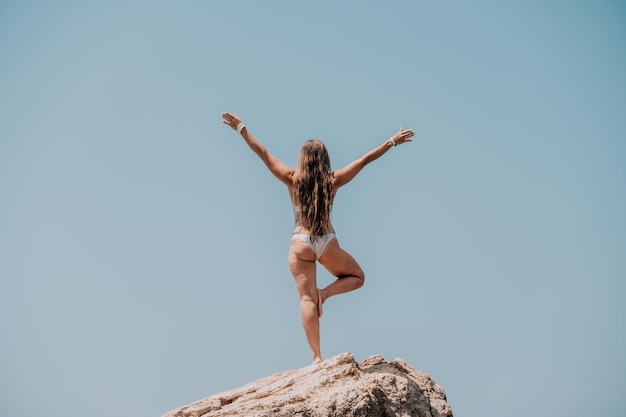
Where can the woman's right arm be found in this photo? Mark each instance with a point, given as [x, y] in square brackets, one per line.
[276, 167]
[347, 173]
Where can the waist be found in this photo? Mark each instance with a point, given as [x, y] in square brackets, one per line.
[301, 230]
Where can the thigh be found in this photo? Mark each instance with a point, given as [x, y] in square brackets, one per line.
[339, 262]
[302, 266]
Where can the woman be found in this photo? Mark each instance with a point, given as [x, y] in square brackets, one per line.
[312, 187]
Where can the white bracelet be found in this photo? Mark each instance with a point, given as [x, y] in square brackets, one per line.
[393, 142]
[240, 128]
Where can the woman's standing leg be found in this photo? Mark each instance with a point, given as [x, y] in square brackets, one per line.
[302, 265]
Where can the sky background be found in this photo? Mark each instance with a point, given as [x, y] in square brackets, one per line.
[143, 246]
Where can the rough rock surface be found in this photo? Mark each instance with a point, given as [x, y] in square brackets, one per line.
[339, 386]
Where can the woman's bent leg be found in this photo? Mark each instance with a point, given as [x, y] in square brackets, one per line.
[341, 264]
[302, 265]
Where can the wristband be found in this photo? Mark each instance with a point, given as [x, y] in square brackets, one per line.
[240, 128]
[393, 142]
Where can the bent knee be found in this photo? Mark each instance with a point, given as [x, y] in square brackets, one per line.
[359, 274]
[361, 278]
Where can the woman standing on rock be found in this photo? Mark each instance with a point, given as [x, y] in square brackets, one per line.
[312, 187]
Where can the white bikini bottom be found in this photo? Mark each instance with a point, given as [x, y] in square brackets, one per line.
[318, 244]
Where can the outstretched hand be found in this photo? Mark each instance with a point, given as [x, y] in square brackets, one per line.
[402, 136]
[231, 120]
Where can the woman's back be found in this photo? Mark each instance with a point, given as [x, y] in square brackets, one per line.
[313, 189]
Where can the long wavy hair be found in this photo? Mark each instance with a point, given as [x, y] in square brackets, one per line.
[314, 187]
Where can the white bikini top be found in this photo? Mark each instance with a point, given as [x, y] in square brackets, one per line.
[297, 209]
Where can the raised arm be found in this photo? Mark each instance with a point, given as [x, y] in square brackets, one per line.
[347, 173]
[280, 170]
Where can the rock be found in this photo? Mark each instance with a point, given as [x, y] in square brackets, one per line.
[339, 386]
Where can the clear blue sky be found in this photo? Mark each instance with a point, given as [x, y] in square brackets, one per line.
[143, 246]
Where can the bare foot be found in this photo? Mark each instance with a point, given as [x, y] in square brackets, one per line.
[317, 360]
[320, 311]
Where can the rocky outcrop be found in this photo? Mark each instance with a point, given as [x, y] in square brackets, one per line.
[339, 386]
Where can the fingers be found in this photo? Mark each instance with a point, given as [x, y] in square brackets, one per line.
[227, 119]
[408, 134]
[407, 131]
[230, 119]
[404, 136]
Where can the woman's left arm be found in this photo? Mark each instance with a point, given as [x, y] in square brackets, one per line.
[347, 173]
[276, 167]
